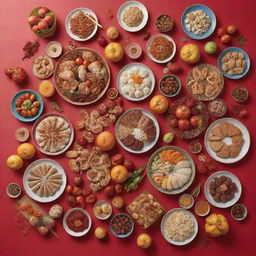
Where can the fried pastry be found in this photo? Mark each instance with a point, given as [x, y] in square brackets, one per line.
[217, 131]
[233, 130]
[216, 145]
[224, 152]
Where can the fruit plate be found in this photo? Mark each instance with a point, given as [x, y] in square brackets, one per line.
[71, 56]
[147, 145]
[71, 232]
[208, 11]
[126, 5]
[17, 115]
[192, 133]
[34, 134]
[74, 13]
[164, 232]
[238, 50]
[151, 56]
[34, 195]
[187, 157]
[221, 204]
[135, 68]
[245, 147]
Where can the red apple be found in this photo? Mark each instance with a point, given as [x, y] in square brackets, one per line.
[32, 20]
[128, 164]
[221, 32]
[184, 124]
[49, 19]
[196, 121]
[117, 159]
[35, 28]
[42, 25]
[183, 112]
[109, 190]
[42, 11]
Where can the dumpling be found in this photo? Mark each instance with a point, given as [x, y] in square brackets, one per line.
[139, 93]
[123, 80]
[134, 70]
[125, 89]
[147, 81]
[131, 92]
[175, 183]
[130, 81]
[182, 164]
[146, 91]
[184, 171]
[143, 73]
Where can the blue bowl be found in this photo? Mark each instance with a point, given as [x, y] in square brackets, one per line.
[208, 11]
[112, 230]
[234, 49]
[17, 115]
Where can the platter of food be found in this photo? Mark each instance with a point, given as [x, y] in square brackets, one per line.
[52, 134]
[77, 222]
[126, 227]
[227, 140]
[187, 117]
[198, 21]
[44, 180]
[161, 48]
[205, 82]
[137, 130]
[27, 105]
[179, 226]
[82, 76]
[132, 16]
[79, 24]
[171, 170]
[222, 189]
[234, 63]
[43, 67]
[135, 81]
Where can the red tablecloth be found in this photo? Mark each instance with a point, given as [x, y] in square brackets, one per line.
[15, 32]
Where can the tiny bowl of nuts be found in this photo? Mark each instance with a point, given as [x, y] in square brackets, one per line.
[102, 210]
[239, 212]
[13, 190]
[170, 85]
[121, 225]
[164, 23]
[240, 94]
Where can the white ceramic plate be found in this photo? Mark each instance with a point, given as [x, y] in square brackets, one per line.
[246, 137]
[128, 67]
[163, 230]
[147, 146]
[220, 204]
[71, 232]
[150, 55]
[173, 191]
[121, 12]
[71, 15]
[34, 195]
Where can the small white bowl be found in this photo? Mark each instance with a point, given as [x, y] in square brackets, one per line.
[71, 232]
[186, 207]
[9, 194]
[151, 56]
[245, 212]
[54, 54]
[202, 215]
[100, 203]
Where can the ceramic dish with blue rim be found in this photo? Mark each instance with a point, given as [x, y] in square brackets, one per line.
[234, 63]
[114, 226]
[26, 105]
[207, 17]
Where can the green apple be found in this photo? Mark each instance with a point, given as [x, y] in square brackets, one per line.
[211, 47]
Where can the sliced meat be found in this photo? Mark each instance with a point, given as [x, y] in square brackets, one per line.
[129, 140]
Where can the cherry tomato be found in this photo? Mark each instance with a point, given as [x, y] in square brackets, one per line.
[87, 83]
[36, 104]
[27, 95]
[24, 113]
[29, 113]
[231, 29]
[32, 97]
[69, 189]
[225, 39]
[86, 192]
[86, 63]
[76, 191]
[79, 61]
[91, 199]
[80, 199]
[18, 110]
[23, 97]
[18, 103]
[34, 111]
[221, 32]
[82, 141]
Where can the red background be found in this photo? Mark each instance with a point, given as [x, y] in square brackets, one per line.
[14, 34]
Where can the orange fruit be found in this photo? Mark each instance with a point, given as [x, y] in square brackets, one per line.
[144, 241]
[105, 141]
[159, 104]
[119, 174]
[26, 150]
[46, 88]
[14, 162]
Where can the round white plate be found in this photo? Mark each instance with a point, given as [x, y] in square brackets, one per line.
[137, 65]
[163, 230]
[147, 146]
[71, 232]
[34, 195]
[121, 12]
[71, 15]
[173, 191]
[246, 137]
[150, 55]
[220, 204]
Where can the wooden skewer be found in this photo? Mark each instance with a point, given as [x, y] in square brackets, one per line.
[96, 23]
